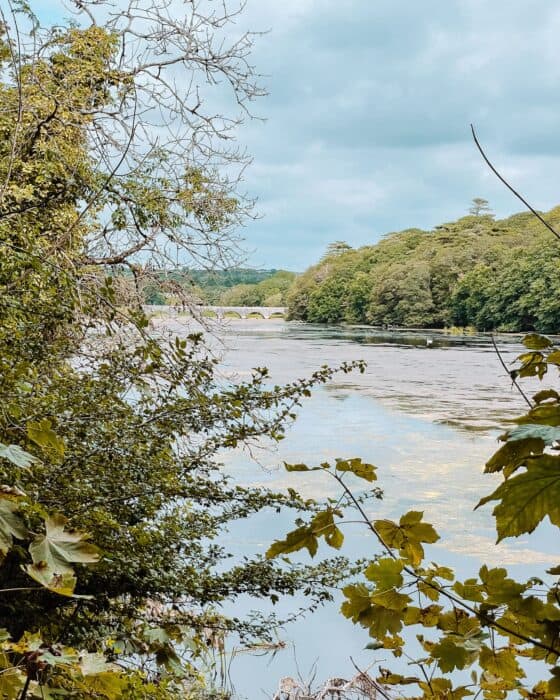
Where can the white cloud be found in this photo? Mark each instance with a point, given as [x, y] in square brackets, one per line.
[368, 115]
[368, 119]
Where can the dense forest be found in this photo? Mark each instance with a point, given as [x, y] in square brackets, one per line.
[476, 271]
[232, 287]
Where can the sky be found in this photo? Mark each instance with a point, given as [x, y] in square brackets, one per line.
[369, 109]
[367, 119]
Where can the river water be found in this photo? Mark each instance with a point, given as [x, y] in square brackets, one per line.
[426, 412]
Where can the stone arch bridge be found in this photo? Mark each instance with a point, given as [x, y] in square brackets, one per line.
[222, 312]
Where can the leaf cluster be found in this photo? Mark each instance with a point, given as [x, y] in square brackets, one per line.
[489, 624]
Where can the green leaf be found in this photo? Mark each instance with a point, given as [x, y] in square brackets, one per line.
[441, 689]
[502, 664]
[307, 536]
[335, 539]
[535, 341]
[513, 454]
[389, 678]
[299, 468]
[458, 622]
[532, 365]
[93, 663]
[429, 616]
[408, 535]
[107, 684]
[546, 394]
[12, 681]
[554, 358]
[357, 603]
[385, 573]
[413, 517]
[498, 587]
[381, 621]
[470, 589]
[357, 467]
[17, 456]
[450, 655]
[543, 414]
[526, 499]
[11, 525]
[323, 525]
[42, 434]
[554, 682]
[63, 656]
[298, 539]
[58, 548]
[63, 584]
[391, 599]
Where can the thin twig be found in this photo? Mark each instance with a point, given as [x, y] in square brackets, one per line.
[378, 687]
[457, 601]
[512, 376]
[510, 188]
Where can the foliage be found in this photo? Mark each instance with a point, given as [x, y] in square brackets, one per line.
[479, 207]
[521, 293]
[489, 624]
[269, 292]
[473, 272]
[108, 427]
[235, 287]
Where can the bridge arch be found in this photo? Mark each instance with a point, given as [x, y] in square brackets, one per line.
[221, 312]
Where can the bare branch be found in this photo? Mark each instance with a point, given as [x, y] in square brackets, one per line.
[510, 187]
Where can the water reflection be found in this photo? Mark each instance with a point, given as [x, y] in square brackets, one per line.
[427, 414]
[420, 338]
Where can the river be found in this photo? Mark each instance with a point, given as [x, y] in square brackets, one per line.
[426, 412]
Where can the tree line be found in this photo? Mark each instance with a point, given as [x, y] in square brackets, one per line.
[233, 287]
[477, 271]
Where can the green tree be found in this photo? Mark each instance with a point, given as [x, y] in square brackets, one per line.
[242, 295]
[521, 293]
[480, 207]
[424, 278]
[267, 292]
[336, 248]
[403, 297]
[327, 304]
[122, 428]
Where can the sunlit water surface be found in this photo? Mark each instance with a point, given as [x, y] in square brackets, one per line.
[427, 412]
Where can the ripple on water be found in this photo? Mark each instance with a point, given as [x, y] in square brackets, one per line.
[427, 416]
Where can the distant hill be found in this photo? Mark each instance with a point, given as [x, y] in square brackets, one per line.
[235, 287]
[476, 271]
[225, 279]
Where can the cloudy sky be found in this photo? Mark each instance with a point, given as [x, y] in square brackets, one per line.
[369, 109]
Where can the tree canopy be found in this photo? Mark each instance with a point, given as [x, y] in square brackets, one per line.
[476, 271]
[113, 500]
[231, 287]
